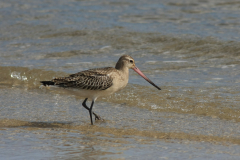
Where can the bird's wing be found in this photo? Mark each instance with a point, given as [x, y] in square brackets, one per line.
[94, 79]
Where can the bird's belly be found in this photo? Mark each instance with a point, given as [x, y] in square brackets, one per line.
[91, 94]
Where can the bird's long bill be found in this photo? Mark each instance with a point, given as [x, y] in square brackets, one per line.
[147, 79]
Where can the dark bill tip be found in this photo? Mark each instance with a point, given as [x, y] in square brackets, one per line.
[145, 77]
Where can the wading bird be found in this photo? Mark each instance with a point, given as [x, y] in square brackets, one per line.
[94, 83]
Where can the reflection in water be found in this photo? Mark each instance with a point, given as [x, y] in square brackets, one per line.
[66, 140]
[93, 132]
[190, 48]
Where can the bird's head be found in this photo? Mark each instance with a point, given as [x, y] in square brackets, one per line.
[128, 61]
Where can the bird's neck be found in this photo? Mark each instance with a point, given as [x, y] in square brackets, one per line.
[122, 68]
[119, 65]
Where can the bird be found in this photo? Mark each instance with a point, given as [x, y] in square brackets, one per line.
[98, 82]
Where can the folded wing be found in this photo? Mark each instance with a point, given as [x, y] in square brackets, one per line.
[94, 79]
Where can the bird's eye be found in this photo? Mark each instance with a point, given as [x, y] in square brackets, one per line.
[131, 61]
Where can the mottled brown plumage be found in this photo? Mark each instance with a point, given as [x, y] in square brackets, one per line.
[99, 82]
[93, 79]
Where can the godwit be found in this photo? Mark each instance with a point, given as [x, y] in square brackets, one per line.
[99, 82]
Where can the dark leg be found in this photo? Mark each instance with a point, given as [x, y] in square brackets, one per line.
[85, 106]
[90, 112]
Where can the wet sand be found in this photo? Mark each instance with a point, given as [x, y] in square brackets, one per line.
[188, 48]
[40, 124]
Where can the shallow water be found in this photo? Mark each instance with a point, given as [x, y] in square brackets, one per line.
[190, 49]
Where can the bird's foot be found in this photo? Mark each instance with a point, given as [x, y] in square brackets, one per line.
[98, 118]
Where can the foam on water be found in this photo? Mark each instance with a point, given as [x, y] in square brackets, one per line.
[191, 49]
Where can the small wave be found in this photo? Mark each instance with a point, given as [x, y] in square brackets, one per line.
[169, 99]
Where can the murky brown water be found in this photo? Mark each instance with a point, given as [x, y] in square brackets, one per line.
[190, 49]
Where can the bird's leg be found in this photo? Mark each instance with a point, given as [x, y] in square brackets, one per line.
[90, 112]
[97, 117]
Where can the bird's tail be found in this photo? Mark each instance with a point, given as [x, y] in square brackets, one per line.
[47, 83]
